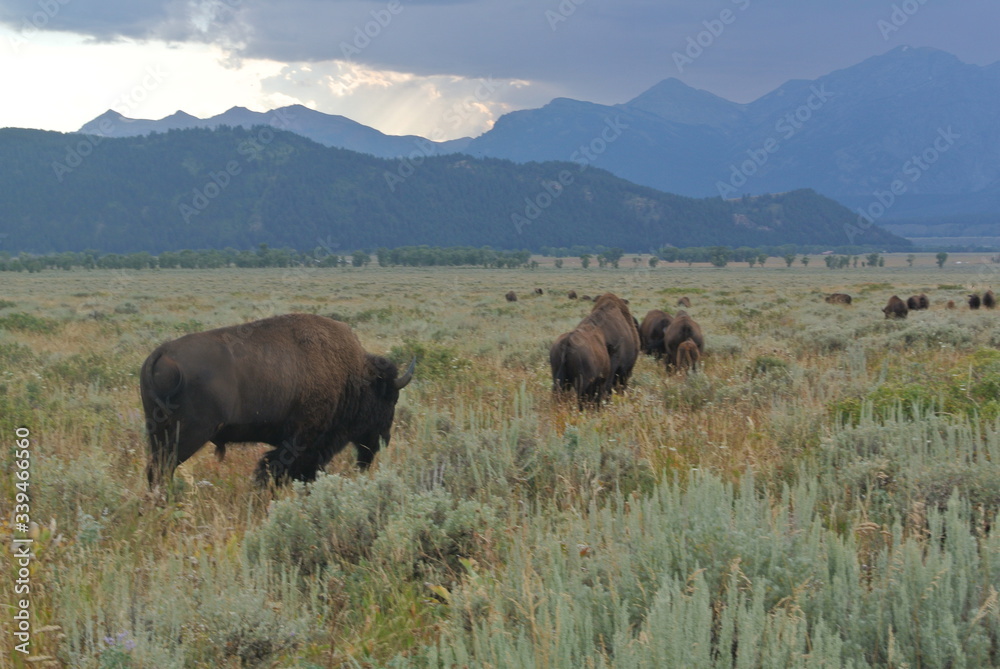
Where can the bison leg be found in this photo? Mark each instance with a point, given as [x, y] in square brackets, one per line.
[171, 444]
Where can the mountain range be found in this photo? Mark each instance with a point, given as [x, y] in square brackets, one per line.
[917, 121]
[238, 187]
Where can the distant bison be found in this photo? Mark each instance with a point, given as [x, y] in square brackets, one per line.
[511, 296]
[588, 298]
[896, 308]
[951, 304]
[989, 301]
[838, 298]
[923, 302]
[611, 315]
[539, 291]
[580, 361]
[684, 302]
[912, 303]
[688, 355]
[681, 328]
[974, 301]
[572, 295]
[651, 332]
[299, 382]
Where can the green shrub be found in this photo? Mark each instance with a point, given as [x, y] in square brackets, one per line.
[22, 322]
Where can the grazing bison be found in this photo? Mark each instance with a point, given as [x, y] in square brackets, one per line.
[572, 295]
[586, 297]
[299, 382]
[511, 296]
[896, 308]
[989, 301]
[621, 336]
[688, 356]
[684, 302]
[651, 332]
[681, 328]
[951, 304]
[539, 291]
[913, 303]
[838, 298]
[923, 302]
[580, 361]
[974, 301]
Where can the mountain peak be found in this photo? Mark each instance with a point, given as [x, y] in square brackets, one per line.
[675, 101]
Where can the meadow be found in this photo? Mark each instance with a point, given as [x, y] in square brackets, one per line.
[822, 493]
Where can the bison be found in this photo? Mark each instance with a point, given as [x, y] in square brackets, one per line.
[951, 304]
[587, 298]
[511, 296]
[896, 308]
[913, 303]
[651, 332]
[539, 291]
[299, 382]
[688, 355]
[572, 295]
[974, 301]
[989, 301]
[838, 298]
[923, 302]
[580, 361]
[621, 336]
[681, 328]
[684, 302]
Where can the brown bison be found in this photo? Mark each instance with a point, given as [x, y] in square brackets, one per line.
[923, 302]
[588, 298]
[651, 332]
[896, 308]
[688, 356]
[974, 301]
[299, 382]
[838, 298]
[681, 328]
[539, 291]
[913, 303]
[989, 301]
[580, 361]
[572, 295]
[951, 304]
[511, 296]
[684, 302]
[621, 336]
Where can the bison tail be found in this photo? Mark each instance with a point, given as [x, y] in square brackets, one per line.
[161, 378]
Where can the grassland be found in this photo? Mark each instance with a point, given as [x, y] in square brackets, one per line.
[823, 493]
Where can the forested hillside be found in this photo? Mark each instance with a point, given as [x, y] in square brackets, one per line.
[233, 187]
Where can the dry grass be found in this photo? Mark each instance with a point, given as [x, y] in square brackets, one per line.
[779, 361]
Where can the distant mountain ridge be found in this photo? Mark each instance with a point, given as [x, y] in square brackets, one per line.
[202, 188]
[326, 129]
[852, 135]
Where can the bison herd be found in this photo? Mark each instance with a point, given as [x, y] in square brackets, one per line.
[897, 308]
[600, 353]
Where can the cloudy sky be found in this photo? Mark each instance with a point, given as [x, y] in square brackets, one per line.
[403, 66]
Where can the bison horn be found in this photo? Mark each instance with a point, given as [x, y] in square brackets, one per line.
[405, 378]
